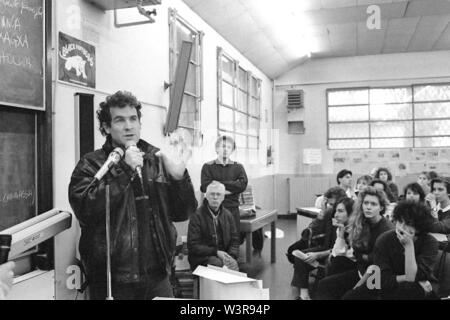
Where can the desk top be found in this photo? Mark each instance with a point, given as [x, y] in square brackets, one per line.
[262, 218]
[310, 212]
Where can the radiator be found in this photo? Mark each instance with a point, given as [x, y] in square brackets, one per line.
[303, 190]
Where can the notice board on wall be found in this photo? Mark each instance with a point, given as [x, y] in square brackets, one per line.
[22, 59]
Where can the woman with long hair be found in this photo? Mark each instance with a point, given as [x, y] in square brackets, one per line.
[366, 224]
[342, 257]
[306, 256]
[405, 257]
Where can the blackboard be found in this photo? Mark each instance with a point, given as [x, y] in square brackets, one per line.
[17, 167]
[22, 54]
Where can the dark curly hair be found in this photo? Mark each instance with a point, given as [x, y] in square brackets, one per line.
[386, 189]
[414, 214]
[342, 174]
[379, 170]
[348, 203]
[335, 192]
[444, 180]
[432, 175]
[416, 188]
[120, 99]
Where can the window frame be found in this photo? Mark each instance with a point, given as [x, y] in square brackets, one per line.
[175, 18]
[236, 108]
[414, 119]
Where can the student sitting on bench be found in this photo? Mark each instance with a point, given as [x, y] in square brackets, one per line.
[316, 248]
[414, 192]
[385, 175]
[439, 201]
[366, 224]
[404, 256]
[342, 258]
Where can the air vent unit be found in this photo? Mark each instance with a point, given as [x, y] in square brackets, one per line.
[296, 99]
[296, 127]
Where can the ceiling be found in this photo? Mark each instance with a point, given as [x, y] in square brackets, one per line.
[279, 34]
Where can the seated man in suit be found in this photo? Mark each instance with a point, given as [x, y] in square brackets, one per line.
[212, 235]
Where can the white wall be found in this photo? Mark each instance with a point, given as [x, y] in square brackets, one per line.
[316, 76]
[136, 59]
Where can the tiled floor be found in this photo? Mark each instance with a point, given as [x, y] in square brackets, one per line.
[276, 276]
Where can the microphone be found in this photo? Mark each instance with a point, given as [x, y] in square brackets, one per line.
[138, 168]
[5, 246]
[113, 158]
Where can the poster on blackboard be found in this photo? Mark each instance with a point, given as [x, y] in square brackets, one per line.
[76, 61]
[22, 38]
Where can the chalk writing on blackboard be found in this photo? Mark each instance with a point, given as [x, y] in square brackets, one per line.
[22, 53]
[21, 195]
[18, 194]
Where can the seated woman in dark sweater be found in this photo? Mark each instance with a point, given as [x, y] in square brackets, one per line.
[405, 257]
[439, 201]
[381, 185]
[366, 224]
[322, 230]
[342, 257]
[385, 175]
[414, 192]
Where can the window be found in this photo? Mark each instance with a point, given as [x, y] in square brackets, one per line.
[398, 117]
[180, 31]
[239, 105]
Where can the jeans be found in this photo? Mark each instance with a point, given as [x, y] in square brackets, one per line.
[335, 286]
[340, 264]
[301, 274]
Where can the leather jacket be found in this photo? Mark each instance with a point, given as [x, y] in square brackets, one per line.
[173, 201]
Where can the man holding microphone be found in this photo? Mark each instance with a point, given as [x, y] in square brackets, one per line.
[148, 192]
